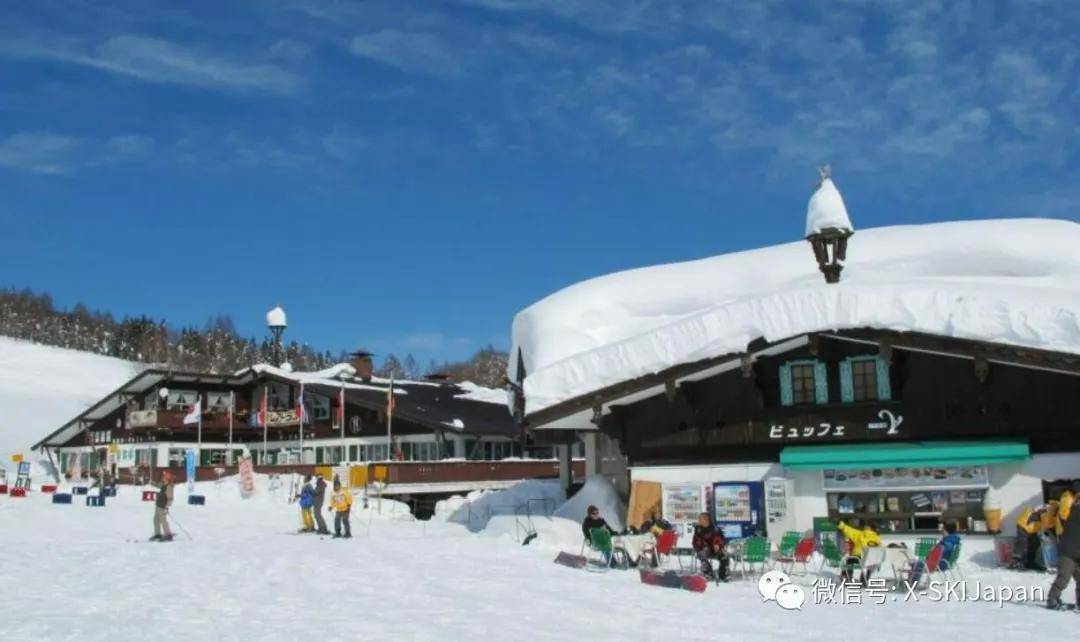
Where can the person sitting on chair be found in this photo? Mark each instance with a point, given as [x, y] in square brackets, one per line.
[593, 520]
[708, 545]
[860, 539]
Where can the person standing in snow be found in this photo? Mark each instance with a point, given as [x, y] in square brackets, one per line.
[306, 499]
[320, 501]
[341, 504]
[1068, 550]
[161, 509]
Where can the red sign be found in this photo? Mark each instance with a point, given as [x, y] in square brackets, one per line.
[247, 477]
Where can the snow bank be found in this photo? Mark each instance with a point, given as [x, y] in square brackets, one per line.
[598, 491]
[533, 496]
[474, 392]
[42, 387]
[1006, 281]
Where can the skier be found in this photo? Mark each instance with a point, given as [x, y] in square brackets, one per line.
[708, 545]
[161, 509]
[341, 504]
[307, 501]
[320, 500]
[1068, 551]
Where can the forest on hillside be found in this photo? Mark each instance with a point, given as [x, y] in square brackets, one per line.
[216, 347]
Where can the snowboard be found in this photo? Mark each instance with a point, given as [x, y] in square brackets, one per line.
[674, 579]
[571, 560]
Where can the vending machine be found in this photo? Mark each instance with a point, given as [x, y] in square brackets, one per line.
[779, 517]
[739, 508]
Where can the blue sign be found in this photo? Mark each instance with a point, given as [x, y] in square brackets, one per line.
[24, 468]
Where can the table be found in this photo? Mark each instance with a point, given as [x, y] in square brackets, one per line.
[897, 559]
[633, 544]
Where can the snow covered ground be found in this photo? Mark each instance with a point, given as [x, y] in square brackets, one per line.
[86, 573]
[42, 387]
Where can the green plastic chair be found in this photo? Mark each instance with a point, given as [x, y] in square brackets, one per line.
[755, 551]
[954, 562]
[923, 546]
[788, 543]
[600, 542]
[830, 555]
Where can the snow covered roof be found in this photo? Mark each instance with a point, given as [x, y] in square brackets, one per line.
[1006, 281]
[826, 209]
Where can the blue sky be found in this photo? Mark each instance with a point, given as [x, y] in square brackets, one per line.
[407, 175]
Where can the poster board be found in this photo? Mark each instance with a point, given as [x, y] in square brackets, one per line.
[915, 478]
[247, 477]
[645, 499]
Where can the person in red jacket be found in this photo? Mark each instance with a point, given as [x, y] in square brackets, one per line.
[708, 544]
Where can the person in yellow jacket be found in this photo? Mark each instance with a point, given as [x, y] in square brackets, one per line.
[341, 504]
[1065, 506]
[861, 539]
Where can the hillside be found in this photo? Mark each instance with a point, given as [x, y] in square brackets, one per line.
[41, 387]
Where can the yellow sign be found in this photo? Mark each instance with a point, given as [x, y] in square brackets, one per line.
[113, 449]
[380, 473]
[16, 458]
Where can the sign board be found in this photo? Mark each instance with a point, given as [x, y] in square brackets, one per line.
[16, 458]
[189, 461]
[247, 478]
[906, 478]
[113, 448]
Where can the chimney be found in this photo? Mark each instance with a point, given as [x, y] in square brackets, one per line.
[362, 363]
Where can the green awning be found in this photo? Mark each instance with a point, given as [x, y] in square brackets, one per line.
[904, 454]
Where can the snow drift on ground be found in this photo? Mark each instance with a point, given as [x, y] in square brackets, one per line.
[42, 388]
[598, 491]
[1006, 281]
[244, 574]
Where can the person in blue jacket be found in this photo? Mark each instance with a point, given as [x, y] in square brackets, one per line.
[307, 502]
[949, 543]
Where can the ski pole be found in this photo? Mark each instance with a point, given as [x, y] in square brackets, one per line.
[178, 524]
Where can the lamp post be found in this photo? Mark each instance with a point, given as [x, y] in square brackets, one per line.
[828, 227]
[275, 320]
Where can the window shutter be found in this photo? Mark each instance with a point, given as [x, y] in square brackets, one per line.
[821, 384]
[884, 387]
[847, 385]
[787, 397]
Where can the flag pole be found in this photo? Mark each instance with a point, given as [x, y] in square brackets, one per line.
[232, 409]
[390, 419]
[300, 416]
[198, 402]
[266, 420]
[344, 453]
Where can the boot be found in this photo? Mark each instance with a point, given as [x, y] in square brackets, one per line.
[154, 538]
[1055, 604]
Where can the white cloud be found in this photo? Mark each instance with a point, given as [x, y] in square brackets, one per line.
[55, 154]
[160, 61]
[411, 52]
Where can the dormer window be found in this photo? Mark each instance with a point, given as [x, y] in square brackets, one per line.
[864, 379]
[803, 382]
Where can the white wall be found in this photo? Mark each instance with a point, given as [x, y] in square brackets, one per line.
[1018, 485]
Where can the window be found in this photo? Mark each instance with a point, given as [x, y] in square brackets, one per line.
[218, 400]
[864, 379]
[277, 396]
[181, 400]
[803, 382]
[320, 407]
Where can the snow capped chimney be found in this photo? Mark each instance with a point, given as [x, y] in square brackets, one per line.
[826, 208]
[363, 365]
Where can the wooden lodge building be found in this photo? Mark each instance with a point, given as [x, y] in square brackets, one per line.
[937, 380]
[446, 438]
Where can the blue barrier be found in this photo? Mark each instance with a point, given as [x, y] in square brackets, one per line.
[61, 498]
[196, 500]
[95, 500]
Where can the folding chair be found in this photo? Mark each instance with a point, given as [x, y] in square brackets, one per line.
[951, 564]
[871, 561]
[786, 548]
[662, 549]
[923, 546]
[755, 551]
[801, 554]
[926, 568]
[600, 542]
[830, 556]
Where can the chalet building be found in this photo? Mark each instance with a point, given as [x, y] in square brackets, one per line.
[443, 437]
[936, 379]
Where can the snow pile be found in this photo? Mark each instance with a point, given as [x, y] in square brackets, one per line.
[474, 392]
[826, 209]
[532, 496]
[1006, 281]
[598, 491]
[42, 387]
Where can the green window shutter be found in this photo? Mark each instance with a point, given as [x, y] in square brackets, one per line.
[787, 397]
[884, 387]
[821, 383]
[847, 386]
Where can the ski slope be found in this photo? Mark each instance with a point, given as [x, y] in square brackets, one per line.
[42, 387]
[85, 573]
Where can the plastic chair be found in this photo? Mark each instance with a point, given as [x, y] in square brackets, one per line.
[925, 568]
[665, 544]
[952, 563]
[923, 546]
[871, 561]
[801, 554]
[830, 556]
[600, 542]
[755, 550]
[788, 542]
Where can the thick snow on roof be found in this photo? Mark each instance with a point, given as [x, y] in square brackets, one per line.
[826, 209]
[1008, 281]
[474, 392]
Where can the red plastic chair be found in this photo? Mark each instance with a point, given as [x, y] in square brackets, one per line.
[662, 549]
[929, 566]
[804, 550]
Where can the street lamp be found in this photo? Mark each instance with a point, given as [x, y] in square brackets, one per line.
[828, 227]
[275, 320]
